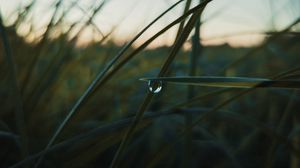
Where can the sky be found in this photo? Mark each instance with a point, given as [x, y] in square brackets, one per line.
[237, 22]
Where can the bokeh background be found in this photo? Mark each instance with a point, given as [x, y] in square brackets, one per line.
[52, 51]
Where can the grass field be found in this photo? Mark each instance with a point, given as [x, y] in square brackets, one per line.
[112, 105]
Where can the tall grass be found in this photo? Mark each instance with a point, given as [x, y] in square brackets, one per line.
[64, 106]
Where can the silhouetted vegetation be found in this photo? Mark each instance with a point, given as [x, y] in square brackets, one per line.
[64, 105]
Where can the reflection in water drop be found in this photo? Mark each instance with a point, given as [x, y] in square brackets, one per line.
[154, 86]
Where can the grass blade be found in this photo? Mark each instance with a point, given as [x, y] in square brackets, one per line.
[195, 53]
[19, 110]
[233, 82]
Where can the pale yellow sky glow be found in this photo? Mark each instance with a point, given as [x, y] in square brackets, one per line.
[221, 18]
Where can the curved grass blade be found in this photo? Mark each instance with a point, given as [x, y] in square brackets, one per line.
[94, 83]
[233, 82]
[181, 25]
[145, 44]
[175, 49]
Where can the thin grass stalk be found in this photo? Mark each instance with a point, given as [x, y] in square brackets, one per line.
[194, 56]
[18, 104]
[22, 15]
[198, 98]
[92, 86]
[107, 57]
[90, 21]
[288, 73]
[181, 25]
[62, 17]
[176, 47]
[185, 33]
[272, 14]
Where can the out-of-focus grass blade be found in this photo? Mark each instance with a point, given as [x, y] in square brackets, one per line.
[202, 97]
[292, 76]
[236, 82]
[15, 88]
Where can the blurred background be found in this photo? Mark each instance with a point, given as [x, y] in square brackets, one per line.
[52, 50]
[240, 23]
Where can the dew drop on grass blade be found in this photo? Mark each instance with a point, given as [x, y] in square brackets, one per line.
[155, 86]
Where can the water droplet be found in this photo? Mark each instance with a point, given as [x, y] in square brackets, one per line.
[155, 86]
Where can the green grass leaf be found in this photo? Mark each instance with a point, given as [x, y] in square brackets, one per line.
[234, 82]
